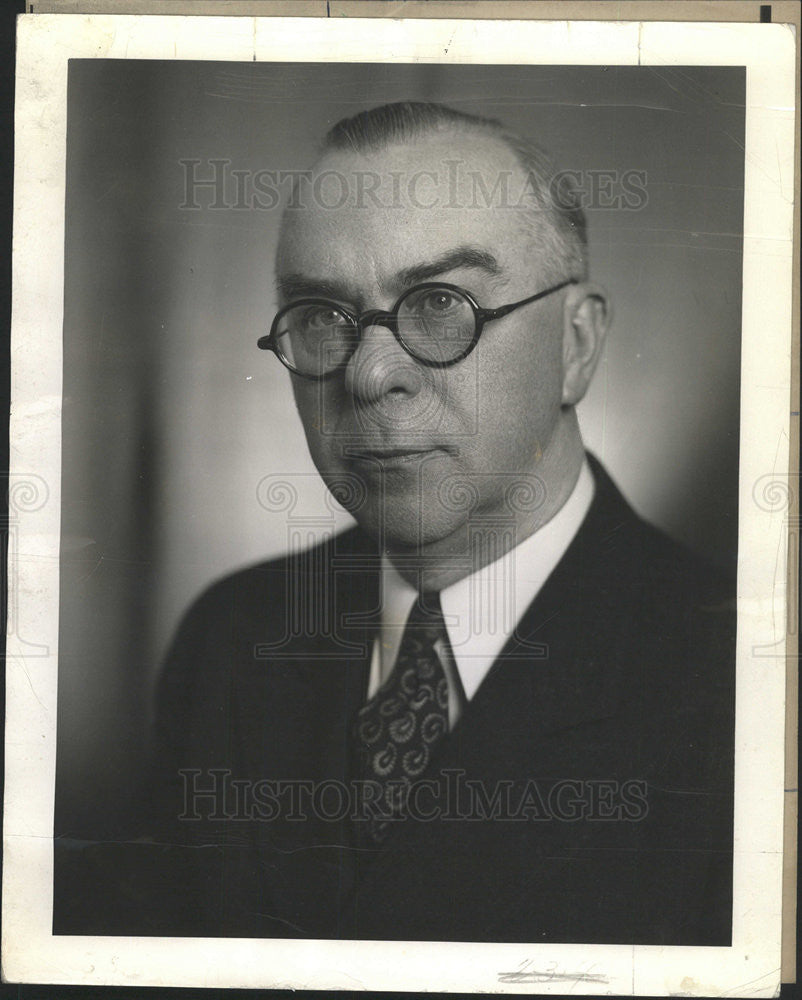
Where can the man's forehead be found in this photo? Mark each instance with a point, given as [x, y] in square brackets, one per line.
[385, 210]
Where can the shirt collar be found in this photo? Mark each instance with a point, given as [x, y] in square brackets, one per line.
[482, 610]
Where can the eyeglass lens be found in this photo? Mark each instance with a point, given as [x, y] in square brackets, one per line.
[435, 324]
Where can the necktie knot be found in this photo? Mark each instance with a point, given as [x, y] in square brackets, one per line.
[425, 625]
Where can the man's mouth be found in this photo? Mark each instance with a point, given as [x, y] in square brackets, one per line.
[387, 456]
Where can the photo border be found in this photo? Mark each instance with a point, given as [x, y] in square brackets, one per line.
[30, 952]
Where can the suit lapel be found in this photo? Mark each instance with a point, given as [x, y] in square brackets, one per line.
[553, 672]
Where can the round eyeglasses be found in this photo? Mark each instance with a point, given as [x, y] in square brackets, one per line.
[435, 323]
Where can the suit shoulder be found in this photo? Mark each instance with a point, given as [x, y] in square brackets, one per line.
[674, 609]
[250, 624]
[658, 568]
[264, 580]
[263, 606]
[672, 566]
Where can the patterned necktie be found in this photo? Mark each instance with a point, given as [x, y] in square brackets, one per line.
[398, 730]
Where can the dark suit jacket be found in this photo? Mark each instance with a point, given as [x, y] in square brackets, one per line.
[604, 730]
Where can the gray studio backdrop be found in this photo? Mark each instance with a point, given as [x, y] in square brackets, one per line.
[173, 421]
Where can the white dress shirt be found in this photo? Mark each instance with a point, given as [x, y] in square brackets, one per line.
[482, 610]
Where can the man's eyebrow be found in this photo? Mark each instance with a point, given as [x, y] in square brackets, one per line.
[463, 256]
[299, 286]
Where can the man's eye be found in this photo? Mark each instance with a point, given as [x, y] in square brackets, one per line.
[438, 301]
[321, 318]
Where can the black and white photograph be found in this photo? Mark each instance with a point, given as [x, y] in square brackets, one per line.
[405, 508]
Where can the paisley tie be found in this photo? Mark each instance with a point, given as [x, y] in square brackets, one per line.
[398, 730]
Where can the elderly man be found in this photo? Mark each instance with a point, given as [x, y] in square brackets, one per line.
[501, 707]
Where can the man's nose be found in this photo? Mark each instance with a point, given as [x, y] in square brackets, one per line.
[380, 367]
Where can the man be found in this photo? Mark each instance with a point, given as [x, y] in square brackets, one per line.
[501, 707]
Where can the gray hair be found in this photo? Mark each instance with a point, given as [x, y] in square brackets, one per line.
[552, 196]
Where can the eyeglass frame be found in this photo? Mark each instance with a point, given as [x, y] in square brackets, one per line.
[380, 317]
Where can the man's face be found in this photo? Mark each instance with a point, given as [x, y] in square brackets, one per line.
[427, 448]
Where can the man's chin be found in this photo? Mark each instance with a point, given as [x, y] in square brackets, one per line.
[402, 528]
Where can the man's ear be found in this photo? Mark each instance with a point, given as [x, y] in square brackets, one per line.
[586, 318]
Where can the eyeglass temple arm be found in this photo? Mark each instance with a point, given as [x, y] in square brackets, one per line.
[490, 314]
